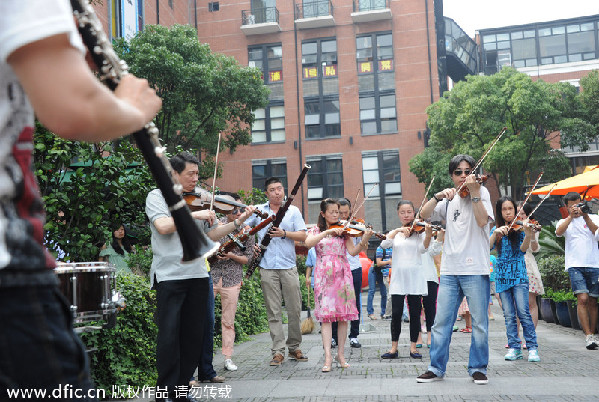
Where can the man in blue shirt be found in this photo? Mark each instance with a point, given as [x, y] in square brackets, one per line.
[278, 272]
[375, 275]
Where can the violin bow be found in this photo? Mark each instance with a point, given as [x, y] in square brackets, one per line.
[353, 215]
[422, 203]
[215, 169]
[526, 199]
[543, 200]
[482, 158]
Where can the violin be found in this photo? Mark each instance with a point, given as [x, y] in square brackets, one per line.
[419, 226]
[238, 240]
[465, 191]
[519, 225]
[200, 200]
[355, 228]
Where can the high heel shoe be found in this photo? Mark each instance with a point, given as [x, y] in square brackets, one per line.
[340, 364]
[326, 368]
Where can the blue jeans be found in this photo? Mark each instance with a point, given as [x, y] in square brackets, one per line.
[452, 289]
[38, 348]
[584, 280]
[375, 278]
[515, 301]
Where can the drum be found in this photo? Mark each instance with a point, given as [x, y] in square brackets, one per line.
[88, 286]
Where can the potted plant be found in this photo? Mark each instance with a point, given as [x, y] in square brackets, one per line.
[561, 306]
[545, 306]
[555, 278]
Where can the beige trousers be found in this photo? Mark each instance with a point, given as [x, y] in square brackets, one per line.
[228, 299]
[279, 284]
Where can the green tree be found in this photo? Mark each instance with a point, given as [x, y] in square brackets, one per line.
[203, 93]
[468, 118]
[85, 191]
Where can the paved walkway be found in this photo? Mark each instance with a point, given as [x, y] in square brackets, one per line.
[567, 372]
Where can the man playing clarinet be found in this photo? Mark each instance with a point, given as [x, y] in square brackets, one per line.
[278, 272]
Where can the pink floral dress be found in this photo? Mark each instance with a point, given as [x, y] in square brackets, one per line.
[334, 295]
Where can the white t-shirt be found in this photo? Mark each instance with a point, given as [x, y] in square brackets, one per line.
[428, 263]
[407, 273]
[582, 249]
[466, 247]
[21, 209]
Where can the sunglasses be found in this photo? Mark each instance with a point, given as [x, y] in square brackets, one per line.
[461, 172]
[238, 211]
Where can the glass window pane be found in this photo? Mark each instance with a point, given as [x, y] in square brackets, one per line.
[277, 111]
[258, 125]
[312, 119]
[587, 27]
[388, 113]
[315, 180]
[334, 165]
[255, 54]
[367, 114]
[364, 42]
[501, 37]
[517, 35]
[573, 28]
[373, 193]
[560, 59]
[392, 188]
[581, 42]
[391, 160]
[544, 31]
[552, 45]
[328, 46]
[312, 107]
[559, 30]
[489, 38]
[386, 81]
[524, 49]
[309, 48]
[366, 82]
[389, 126]
[503, 45]
[371, 176]
[335, 178]
[315, 193]
[490, 46]
[331, 118]
[312, 131]
[259, 170]
[385, 53]
[332, 130]
[529, 34]
[277, 135]
[258, 136]
[367, 103]
[259, 113]
[369, 127]
[277, 123]
[384, 40]
[388, 101]
[370, 163]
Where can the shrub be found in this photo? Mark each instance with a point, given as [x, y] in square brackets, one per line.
[126, 354]
[562, 295]
[141, 261]
[550, 244]
[553, 274]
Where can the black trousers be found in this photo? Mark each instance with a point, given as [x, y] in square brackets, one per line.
[429, 303]
[414, 307]
[354, 328]
[181, 311]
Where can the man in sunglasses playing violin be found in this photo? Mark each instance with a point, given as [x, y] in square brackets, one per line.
[464, 268]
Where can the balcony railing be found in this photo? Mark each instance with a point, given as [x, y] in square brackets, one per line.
[312, 9]
[370, 5]
[259, 16]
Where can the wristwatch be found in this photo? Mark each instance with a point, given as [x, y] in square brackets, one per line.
[436, 199]
[475, 199]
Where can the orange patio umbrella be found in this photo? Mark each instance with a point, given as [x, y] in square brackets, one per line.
[586, 184]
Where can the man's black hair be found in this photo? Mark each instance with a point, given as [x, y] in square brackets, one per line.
[270, 181]
[178, 161]
[344, 201]
[456, 160]
[571, 196]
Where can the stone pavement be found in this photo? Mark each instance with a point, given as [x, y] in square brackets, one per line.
[567, 371]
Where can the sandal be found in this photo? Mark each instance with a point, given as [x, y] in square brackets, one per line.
[326, 369]
[372, 317]
[343, 364]
[466, 330]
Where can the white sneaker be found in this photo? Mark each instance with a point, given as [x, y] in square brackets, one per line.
[533, 356]
[229, 365]
[591, 342]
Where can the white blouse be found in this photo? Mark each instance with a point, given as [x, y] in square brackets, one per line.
[407, 273]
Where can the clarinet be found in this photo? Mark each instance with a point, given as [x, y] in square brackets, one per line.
[194, 241]
[278, 218]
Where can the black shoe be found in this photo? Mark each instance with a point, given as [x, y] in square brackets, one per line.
[353, 342]
[479, 378]
[429, 376]
[415, 355]
[390, 355]
[333, 343]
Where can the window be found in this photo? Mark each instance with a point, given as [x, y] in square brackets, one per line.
[170, 4]
[213, 6]
[262, 169]
[376, 81]
[382, 168]
[269, 59]
[321, 88]
[325, 178]
[116, 15]
[581, 42]
[269, 124]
